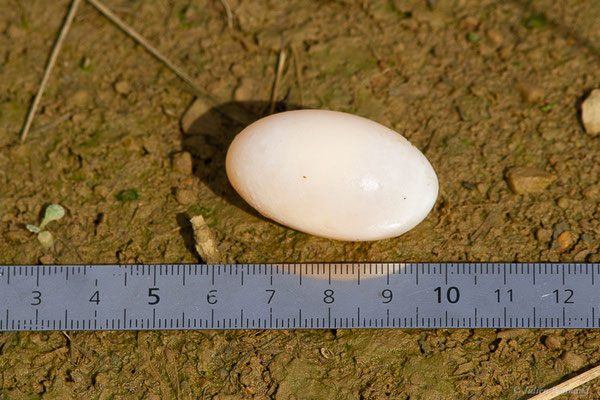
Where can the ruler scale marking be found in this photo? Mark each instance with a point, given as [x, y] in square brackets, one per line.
[455, 295]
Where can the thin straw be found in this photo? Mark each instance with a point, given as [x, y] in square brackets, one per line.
[53, 56]
[151, 49]
[569, 385]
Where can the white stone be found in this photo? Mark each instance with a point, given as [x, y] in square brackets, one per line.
[590, 113]
[332, 174]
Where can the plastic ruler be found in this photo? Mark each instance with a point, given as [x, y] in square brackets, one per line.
[299, 296]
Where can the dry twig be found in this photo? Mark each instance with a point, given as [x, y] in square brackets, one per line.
[144, 43]
[83, 351]
[129, 31]
[569, 385]
[53, 56]
[282, 55]
[229, 14]
[206, 244]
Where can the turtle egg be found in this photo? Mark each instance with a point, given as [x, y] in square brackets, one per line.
[332, 174]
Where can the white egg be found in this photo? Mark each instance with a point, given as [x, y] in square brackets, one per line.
[332, 174]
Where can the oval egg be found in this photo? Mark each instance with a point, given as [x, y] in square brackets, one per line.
[332, 174]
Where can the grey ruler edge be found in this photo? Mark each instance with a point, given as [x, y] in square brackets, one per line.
[299, 296]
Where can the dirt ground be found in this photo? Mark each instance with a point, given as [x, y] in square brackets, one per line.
[478, 86]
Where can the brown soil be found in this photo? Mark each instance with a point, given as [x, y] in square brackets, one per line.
[479, 86]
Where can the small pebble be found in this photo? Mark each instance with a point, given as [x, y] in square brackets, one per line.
[153, 146]
[511, 333]
[47, 259]
[529, 93]
[563, 203]
[482, 188]
[495, 36]
[505, 52]
[591, 192]
[552, 133]
[560, 227]
[592, 343]
[79, 99]
[101, 190]
[460, 335]
[590, 113]
[245, 90]
[15, 32]
[564, 241]
[78, 118]
[543, 235]
[471, 22]
[185, 196]
[326, 353]
[182, 163]
[528, 180]
[572, 360]
[552, 342]
[581, 255]
[586, 224]
[17, 236]
[187, 180]
[122, 87]
[463, 369]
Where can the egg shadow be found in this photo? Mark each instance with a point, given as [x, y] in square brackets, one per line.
[209, 135]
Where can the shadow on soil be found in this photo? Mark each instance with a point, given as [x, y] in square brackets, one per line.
[207, 140]
[210, 135]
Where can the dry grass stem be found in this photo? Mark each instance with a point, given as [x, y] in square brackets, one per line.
[229, 14]
[83, 351]
[278, 75]
[50, 124]
[569, 385]
[145, 44]
[129, 31]
[53, 56]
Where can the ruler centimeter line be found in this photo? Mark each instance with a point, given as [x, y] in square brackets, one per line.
[299, 296]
